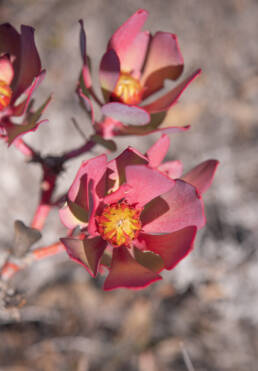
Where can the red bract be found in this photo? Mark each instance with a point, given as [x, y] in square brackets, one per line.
[200, 176]
[134, 67]
[20, 73]
[134, 220]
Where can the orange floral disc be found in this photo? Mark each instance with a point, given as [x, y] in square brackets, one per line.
[5, 94]
[128, 89]
[119, 223]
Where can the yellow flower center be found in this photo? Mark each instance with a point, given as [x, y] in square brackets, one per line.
[5, 94]
[119, 223]
[128, 90]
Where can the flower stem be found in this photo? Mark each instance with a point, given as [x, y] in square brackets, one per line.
[45, 252]
[10, 268]
[86, 147]
[25, 149]
[40, 216]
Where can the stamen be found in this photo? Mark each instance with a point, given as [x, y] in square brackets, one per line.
[5, 95]
[119, 223]
[128, 89]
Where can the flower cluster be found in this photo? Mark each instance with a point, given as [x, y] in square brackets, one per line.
[136, 215]
[133, 216]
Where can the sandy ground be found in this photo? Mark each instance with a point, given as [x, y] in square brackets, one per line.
[207, 306]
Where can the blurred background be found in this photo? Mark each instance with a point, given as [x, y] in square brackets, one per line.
[207, 308]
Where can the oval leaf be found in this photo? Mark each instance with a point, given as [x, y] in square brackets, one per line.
[131, 115]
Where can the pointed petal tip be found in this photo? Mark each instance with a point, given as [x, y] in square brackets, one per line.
[87, 252]
[74, 249]
[126, 272]
[166, 101]
[142, 11]
[202, 175]
[123, 37]
[158, 151]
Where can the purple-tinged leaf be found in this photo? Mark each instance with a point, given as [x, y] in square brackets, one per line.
[131, 115]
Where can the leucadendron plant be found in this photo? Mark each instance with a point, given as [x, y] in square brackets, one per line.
[129, 218]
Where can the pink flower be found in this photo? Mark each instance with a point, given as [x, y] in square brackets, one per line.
[134, 220]
[20, 73]
[134, 67]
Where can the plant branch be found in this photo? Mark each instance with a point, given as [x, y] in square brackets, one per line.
[10, 268]
[25, 149]
[86, 147]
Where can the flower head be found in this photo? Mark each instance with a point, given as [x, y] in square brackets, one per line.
[134, 66]
[135, 221]
[119, 223]
[20, 73]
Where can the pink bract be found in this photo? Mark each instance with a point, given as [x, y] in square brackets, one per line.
[21, 72]
[109, 200]
[134, 66]
[201, 176]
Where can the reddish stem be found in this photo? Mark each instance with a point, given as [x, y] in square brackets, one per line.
[40, 216]
[45, 252]
[24, 148]
[10, 268]
[86, 147]
[95, 97]
[47, 188]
